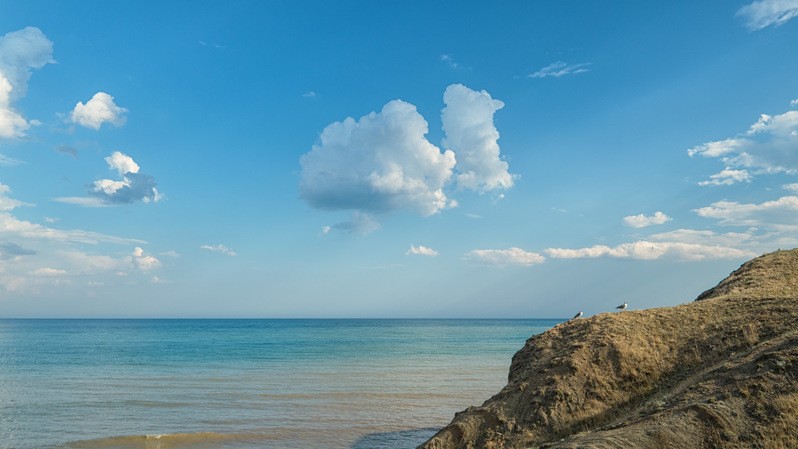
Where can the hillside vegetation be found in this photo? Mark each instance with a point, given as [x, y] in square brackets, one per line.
[721, 371]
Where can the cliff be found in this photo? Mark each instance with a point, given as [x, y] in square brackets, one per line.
[721, 371]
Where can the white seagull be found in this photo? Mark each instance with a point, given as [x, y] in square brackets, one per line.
[577, 315]
[623, 306]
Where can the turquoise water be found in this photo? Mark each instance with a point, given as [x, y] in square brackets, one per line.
[157, 384]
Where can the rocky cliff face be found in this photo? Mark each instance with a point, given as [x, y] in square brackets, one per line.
[721, 371]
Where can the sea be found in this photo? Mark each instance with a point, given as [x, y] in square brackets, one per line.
[247, 383]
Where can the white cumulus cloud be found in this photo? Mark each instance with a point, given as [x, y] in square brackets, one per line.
[642, 220]
[559, 68]
[764, 13]
[98, 110]
[379, 163]
[20, 52]
[505, 257]
[383, 161]
[470, 133]
[132, 187]
[144, 262]
[421, 250]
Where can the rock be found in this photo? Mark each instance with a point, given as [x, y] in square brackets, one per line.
[720, 371]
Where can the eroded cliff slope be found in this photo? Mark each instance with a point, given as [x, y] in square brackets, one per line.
[719, 372]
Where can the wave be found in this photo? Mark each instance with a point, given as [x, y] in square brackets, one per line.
[199, 440]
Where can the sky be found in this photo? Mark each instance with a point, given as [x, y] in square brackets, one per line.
[390, 159]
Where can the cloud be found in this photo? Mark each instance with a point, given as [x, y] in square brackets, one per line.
[421, 250]
[776, 213]
[791, 187]
[770, 145]
[470, 133]
[360, 223]
[647, 250]
[642, 221]
[384, 163]
[764, 13]
[47, 271]
[309, 94]
[144, 262]
[9, 162]
[66, 149]
[12, 228]
[559, 68]
[380, 163]
[12, 251]
[20, 52]
[6, 203]
[726, 177]
[705, 237]
[132, 187]
[219, 249]
[450, 62]
[794, 103]
[100, 109]
[504, 257]
[34, 256]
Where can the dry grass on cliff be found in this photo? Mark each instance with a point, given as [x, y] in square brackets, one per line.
[720, 372]
[772, 276]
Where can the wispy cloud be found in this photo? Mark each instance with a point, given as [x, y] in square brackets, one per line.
[642, 220]
[726, 177]
[66, 149]
[559, 69]
[764, 13]
[34, 256]
[309, 94]
[647, 250]
[360, 223]
[782, 212]
[769, 146]
[9, 162]
[505, 257]
[451, 62]
[219, 249]
[421, 250]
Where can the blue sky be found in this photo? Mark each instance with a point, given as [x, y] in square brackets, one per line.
[389, 159]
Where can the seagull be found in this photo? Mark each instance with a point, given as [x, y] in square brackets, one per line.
[577, 315]
[623, 306]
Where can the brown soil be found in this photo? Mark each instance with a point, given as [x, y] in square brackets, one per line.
[721, 371]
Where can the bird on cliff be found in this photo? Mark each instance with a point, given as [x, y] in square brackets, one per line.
[623, 306]
[577, 315]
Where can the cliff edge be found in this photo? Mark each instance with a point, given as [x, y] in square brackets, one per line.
[721, 371]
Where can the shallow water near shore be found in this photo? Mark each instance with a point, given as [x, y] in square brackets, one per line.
[157, 384]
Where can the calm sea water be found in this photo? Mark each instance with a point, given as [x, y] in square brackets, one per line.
[157, 384]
